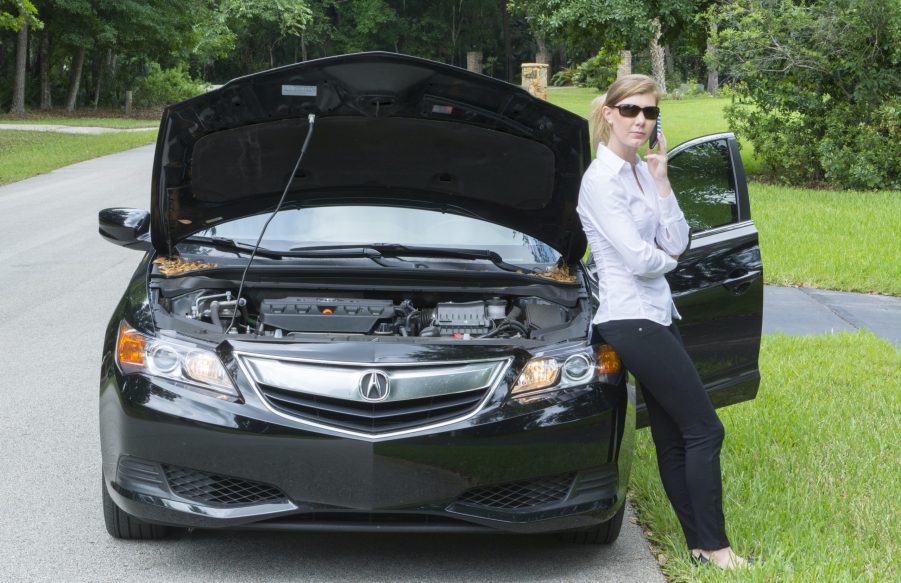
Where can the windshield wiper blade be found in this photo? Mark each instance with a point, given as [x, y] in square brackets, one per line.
[397, 250]
[232, 245]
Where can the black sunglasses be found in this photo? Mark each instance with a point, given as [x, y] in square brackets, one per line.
[629, 110]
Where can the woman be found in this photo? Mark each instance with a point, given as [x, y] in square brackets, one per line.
[636, 231]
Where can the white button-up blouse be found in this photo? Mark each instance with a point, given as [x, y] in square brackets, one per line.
[632, 235]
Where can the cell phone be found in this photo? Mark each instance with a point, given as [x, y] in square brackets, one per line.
[652, 143]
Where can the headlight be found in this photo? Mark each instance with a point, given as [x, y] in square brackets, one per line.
[137, 353]
[568, 368]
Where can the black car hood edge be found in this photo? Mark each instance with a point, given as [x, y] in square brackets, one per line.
[390, 130]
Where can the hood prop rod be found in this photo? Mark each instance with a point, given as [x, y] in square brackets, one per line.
[311, 119]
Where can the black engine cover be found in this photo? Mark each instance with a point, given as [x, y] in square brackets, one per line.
[339, 315]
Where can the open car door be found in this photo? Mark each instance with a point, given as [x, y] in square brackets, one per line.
[718, 284]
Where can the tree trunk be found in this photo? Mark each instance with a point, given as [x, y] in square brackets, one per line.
[658, 58]
[113, 66]
[508, 43]
[18, 104]
[713, 74]
[75, 79]
[455, 29]
[670, 66]
[45, 69]
[543, 55]
[303, 46]
[625, 64]
[105, 64]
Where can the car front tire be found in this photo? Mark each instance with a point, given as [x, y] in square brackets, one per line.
[121, 525]
[602, 534]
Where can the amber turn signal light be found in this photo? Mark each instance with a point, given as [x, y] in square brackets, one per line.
[607, 359]
[131, 346]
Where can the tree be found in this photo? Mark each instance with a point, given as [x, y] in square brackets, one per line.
[24, 12]
[25, 15]
[586, 26]
[824, 77]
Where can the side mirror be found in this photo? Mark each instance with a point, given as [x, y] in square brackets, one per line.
[129, 228]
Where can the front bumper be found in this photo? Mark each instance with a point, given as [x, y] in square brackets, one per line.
[558, 461]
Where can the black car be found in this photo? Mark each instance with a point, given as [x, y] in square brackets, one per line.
[411, 347]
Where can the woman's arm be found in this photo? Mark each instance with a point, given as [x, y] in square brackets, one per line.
[672, 232]
[602, 205]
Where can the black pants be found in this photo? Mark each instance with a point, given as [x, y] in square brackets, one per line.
[686, 430]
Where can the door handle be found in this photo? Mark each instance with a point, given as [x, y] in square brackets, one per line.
[740, 280]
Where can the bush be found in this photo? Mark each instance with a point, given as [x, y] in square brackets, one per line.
[785, 142]
[564, 77]
[598, 72]
[162, 87]
[687, 90]
[865, 153]
[824, 105]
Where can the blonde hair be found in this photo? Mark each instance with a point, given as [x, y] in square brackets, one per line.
[625, 86]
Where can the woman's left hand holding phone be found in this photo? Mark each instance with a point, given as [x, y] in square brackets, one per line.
[656, 161]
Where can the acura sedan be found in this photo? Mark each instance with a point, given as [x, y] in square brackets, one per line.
[406, 344]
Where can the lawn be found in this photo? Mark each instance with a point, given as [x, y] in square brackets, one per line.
[105, 119]
[24, 154]
[810, 467]
[827, 239]
[98, 122]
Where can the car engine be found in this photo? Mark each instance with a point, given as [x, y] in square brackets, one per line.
[287, 316]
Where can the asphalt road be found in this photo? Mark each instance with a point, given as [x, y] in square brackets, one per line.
[59, 281]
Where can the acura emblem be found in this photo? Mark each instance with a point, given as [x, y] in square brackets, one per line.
[374, 385]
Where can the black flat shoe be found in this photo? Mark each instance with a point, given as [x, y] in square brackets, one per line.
[700, 559]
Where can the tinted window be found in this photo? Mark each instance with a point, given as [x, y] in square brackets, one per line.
[339, 225]
[702, 179]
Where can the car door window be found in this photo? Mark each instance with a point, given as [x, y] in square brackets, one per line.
[702, 180]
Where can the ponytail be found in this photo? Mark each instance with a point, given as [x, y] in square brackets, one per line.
[596, 118]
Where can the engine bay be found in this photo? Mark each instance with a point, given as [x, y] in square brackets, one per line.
[274, 314]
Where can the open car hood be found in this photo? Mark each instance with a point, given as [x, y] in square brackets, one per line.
[390, 130]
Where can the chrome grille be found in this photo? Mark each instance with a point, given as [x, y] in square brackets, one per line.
[373, 417]
[330, 393]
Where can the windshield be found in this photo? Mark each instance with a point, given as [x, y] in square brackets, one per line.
[367, 225]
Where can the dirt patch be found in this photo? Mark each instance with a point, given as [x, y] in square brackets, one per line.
[559, 272]
[179, 265]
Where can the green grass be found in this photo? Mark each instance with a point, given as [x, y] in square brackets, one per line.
[25, 154]
[827, 239]
[100, 122]
[810, 467]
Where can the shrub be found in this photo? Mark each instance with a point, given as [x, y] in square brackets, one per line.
[599, 71]
[784, 141]
[824, 101]
[163, 87]
[687, 90]
[565, 76]
[865, 153]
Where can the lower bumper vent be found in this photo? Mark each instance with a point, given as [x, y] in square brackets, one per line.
[215, 489]
[517, 495]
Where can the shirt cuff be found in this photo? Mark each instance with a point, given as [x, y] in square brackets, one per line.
[669, 210]
[670, 263]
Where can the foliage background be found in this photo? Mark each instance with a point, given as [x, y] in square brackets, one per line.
[822, 80]
[816, 83]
